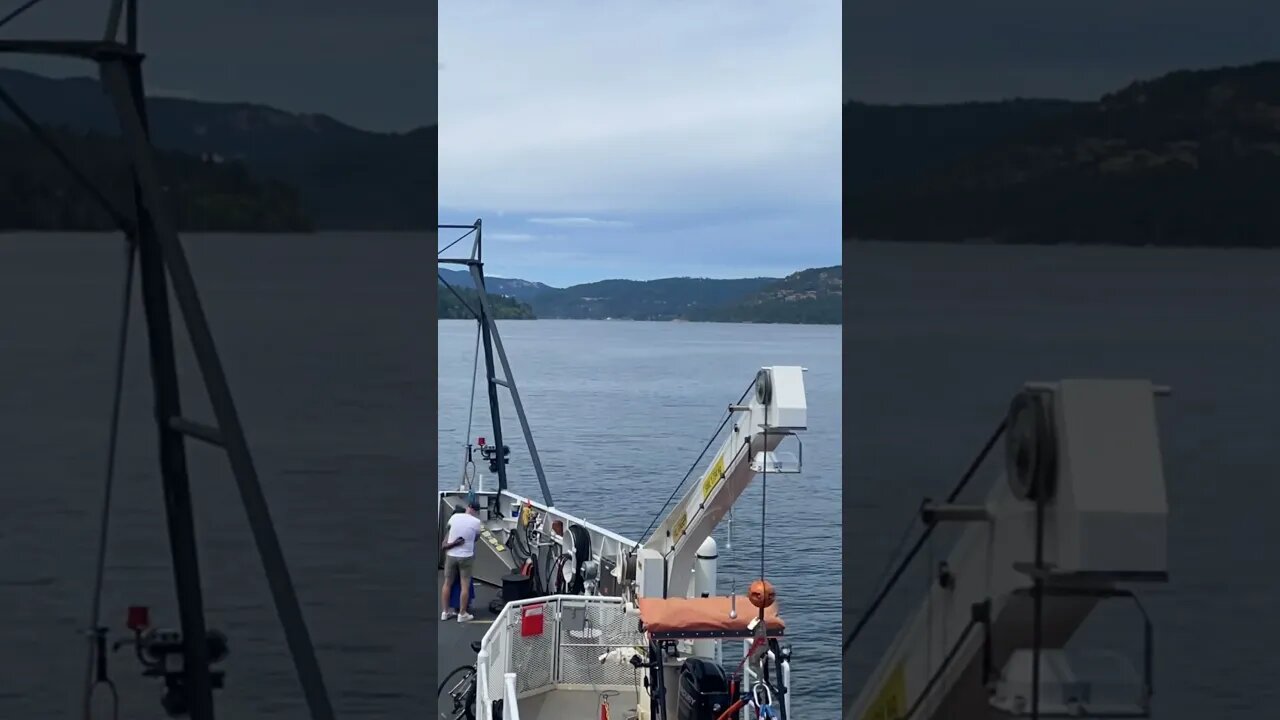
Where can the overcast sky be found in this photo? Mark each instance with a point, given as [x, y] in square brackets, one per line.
[643, 140]
[946, 51]
[368, 63]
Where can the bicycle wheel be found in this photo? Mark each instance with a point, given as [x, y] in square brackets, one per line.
[459, 693]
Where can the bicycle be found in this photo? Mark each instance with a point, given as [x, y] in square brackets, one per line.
[461, 692]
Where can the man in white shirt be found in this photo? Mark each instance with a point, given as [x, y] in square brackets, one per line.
[460, 551]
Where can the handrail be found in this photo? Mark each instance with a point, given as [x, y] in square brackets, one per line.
[588, 599]
[501, 625]
[485, 709]
[510, 707]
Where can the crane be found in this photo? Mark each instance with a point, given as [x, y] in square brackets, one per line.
[776, 409]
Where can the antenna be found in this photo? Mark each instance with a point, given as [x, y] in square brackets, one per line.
[163, 263]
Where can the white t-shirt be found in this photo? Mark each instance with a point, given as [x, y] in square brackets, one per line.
[467, 527]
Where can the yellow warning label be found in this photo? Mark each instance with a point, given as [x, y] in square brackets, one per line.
[491, 540]
[678, 529]
[713, 477]
[891, 701]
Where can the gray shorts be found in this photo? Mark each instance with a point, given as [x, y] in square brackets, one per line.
[460, 565]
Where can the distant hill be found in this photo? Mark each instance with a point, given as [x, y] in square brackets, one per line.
[666, 299]
[885, 143]
[522, 290]
[811, 297]
[37, 193]
[450, 307]
[806, 297]
[345, 178]
[1191, 158]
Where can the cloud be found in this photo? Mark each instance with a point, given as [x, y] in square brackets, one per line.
[579, 222]
[621, 109]
[511, 237]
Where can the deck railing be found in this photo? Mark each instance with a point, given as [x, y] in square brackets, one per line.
[553, 642]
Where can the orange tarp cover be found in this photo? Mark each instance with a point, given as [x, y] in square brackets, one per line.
[709, 614]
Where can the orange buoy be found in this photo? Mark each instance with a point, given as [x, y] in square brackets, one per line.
[761, 593]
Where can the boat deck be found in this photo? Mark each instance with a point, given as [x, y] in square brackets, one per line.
[453, 646]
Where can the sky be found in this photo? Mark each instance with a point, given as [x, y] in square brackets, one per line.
[929, 51]
[366, 63]
[643, 139]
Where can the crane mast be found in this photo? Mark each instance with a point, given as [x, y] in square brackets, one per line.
[776, 409]
[1079, 517]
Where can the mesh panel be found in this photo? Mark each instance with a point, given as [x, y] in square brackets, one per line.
[575, 633]
[532, 657]
[589, 631]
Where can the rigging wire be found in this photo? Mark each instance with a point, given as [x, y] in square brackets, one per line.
[121, 220]
[897, 550]
[18, 11]
[95, 613]
[469, 463]
[474, 314]
[446, 247]
[728, 416]
[764, 490]
[475, 370]
[955, 492]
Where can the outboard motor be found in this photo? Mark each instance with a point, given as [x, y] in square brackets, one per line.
[704, 690]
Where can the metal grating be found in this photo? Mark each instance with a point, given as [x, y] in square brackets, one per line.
[575, 633]
[589, 630]
[533, 657]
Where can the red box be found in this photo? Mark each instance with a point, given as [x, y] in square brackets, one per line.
[531, 620]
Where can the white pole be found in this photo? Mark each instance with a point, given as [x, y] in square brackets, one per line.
[510, 708]
[485, 711]
[704, 585]
[786, 685]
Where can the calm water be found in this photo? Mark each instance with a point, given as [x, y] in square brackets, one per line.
[940, 338]
[325, 343]
[619, 411]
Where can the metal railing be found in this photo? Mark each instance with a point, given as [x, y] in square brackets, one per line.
[545, 643]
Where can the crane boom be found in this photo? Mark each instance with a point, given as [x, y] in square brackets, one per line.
[776, 410]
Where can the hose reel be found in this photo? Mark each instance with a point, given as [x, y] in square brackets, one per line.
[1031, 447]
[577, 546]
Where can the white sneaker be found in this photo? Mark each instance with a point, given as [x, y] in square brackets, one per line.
[463, 617]
[446, 614]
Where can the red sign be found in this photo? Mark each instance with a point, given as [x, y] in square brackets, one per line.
[531, 620]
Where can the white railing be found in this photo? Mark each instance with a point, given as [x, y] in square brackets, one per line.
[511, 708]
[544, 643]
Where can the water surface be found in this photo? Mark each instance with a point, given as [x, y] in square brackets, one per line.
[941, 336]
[324, 343]
[620, 410]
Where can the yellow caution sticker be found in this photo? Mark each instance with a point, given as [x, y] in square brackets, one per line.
[713, 477]
[677, 530]
[891, 701]
[492, 540]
